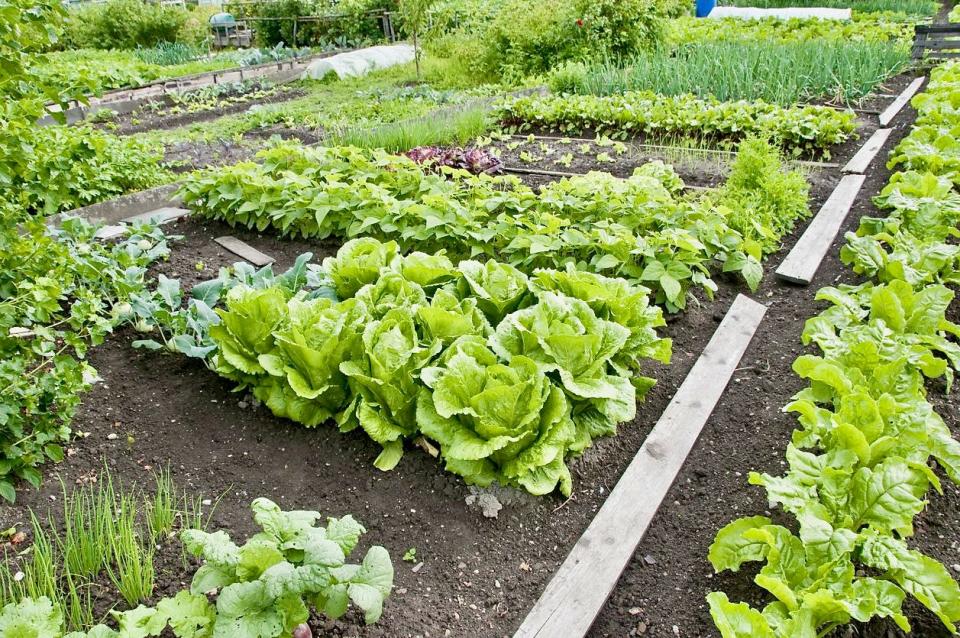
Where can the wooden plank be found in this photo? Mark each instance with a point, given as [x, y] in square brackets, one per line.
[579, 589]
[124, 207]
[891, 111]
[860, 162]
[244, 250]
[162, 215]
[803, 261]
[110, 232]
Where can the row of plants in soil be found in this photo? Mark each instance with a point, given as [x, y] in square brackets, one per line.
[860, 462]
[640, 228]
[909, 7]
[809, 130]
[68, 581]
[883, 27]
[784, 73]
[509, 374]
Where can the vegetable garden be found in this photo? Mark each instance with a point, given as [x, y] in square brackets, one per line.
[500, 341]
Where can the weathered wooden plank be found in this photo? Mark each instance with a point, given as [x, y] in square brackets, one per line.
[803, 261]
[860, 162]
[891, 111]
[115, 210]
[579, 589]
[943, 43]
[244, 250]
[161, 215]
[109, 232]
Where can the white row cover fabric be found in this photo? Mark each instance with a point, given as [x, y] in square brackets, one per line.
[358, 63]
[750, 13]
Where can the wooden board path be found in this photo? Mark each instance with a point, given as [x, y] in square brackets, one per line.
[244, 250]
[803, 261]
[579, 589]
[860, 162]
[891, 111]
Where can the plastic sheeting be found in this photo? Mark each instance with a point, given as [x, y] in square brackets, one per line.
[749, 13]
[357, 63]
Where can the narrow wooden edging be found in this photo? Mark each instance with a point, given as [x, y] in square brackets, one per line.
[802, 263]
[118, 209]
[860, 162]
[891, 111]
[579, 589]
[244, 250]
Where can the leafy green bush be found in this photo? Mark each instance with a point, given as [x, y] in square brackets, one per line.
[76, 166]
[517, 38]
[123, 24]
[765, 201]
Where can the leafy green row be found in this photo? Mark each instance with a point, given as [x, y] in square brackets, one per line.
[636, 228]
[801, 130]
[932, 145]
[884, 27]
[859, 465]
[509, 374]
[264, 588]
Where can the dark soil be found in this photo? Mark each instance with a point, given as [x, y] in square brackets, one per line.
[183, 157]
[479, 576]
[542, 159]
[748, 431]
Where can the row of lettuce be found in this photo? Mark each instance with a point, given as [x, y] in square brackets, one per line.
[510, 374]
[860, 462]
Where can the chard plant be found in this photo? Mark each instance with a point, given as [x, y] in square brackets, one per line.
[861, 463]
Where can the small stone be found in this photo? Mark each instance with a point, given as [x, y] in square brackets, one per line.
[206, 501]
[649, 560]
[634, 611]
[417, 567]
[112, 436]
[641, 628]
[676, 630]
[490, 505]
[956, 567]
[243, 405]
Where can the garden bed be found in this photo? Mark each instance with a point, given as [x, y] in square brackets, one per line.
[479, 575]
[662, 591]
[200, 105]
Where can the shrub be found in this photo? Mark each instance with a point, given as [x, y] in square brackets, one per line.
[517, 38]
[123, 24]
[352, 28]
[620, 28]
